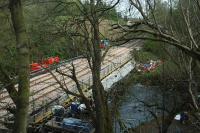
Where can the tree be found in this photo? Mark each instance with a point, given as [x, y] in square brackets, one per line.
[91, 15]
[91, 38]
[169, 30]
[173, 25]
[64, 87]
[22, 45]
[85, 29]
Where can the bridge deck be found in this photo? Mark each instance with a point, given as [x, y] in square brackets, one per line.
[45, 89]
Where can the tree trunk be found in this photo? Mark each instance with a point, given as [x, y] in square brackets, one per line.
[192, 96]
[103, 119]
[167, 122]
[20, 124]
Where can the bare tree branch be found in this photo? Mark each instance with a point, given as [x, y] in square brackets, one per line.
[66, 90]
[10, 85]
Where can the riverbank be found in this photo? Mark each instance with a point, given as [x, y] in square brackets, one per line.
[175, 127]
[117, 94]
[129, 112]
[119, 89]
[125, 107]
[123, 99]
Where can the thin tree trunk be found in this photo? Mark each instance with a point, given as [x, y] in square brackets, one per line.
[20, 124]
[194, 103]
[103, 118]
[167, 122]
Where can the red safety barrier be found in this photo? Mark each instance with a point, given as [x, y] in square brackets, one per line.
[102, 46]
[35, 67]
[57, 59]
[45, 63]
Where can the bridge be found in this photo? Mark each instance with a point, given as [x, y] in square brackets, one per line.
[45, 91]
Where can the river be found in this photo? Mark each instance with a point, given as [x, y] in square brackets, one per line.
[133, 108]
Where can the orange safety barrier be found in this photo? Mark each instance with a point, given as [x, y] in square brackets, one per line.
[45, 63]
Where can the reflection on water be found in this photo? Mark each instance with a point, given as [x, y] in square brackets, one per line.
[133, 109]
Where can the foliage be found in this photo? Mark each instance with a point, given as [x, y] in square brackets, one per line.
[144, 56]
[156, 48]
[154, 51]
[49, 28]
[7, 44]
